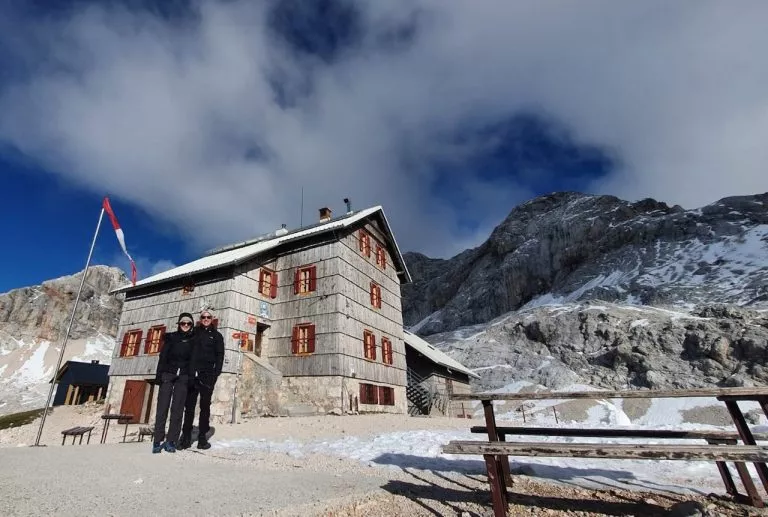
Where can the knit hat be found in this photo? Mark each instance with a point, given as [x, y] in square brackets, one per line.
[188, 316]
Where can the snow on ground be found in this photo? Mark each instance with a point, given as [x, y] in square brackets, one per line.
[420, 449]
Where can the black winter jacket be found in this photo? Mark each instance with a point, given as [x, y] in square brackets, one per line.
[209, 355]
[177, 353]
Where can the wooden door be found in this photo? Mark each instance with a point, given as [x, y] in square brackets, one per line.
[133, 399]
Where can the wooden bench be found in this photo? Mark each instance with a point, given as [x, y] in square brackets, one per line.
[712, 437]
[491, 451]
[74, 432]
[145, 431]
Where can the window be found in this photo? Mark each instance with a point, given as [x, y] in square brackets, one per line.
[246, 343]
[154, 341]
[365, 243]
[267, 283]
[305, 280]
[386, 350]
[131, 342]
[375, 295]
[369, 394]
[386, 396]
[369, 345]
[381, 257]
[303, 339]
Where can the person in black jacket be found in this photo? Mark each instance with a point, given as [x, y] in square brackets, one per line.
[208, 362]
[173, 373]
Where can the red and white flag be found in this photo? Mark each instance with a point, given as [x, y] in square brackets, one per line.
[120, 236]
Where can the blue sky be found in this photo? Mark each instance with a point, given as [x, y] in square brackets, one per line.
[203, 120]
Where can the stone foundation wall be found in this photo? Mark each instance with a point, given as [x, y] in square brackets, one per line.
[320, 395]
[258, 393]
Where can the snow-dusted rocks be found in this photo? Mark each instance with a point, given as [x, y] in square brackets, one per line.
[568, 247]
[32, 325]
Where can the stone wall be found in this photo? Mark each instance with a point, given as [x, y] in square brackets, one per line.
[258, 391]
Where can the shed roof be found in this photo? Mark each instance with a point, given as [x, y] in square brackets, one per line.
[435, 355]
[84, 373]
[241, 252]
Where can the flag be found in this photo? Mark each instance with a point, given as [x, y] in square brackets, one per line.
[120, 236]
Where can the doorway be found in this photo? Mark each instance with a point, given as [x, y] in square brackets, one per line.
[133, 400]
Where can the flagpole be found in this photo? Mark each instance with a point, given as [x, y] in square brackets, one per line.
[69, 328]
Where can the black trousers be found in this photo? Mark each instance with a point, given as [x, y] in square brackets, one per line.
[173, 394]
[202, 386]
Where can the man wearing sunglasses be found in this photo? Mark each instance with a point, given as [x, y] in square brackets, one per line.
[174, 369]
[207, 364]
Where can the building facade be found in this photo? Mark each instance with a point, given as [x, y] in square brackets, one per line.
[311, 319]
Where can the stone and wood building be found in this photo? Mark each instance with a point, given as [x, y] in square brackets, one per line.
[311, 320]
[433, 377]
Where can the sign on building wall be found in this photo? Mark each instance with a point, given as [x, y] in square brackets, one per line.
[264, 310]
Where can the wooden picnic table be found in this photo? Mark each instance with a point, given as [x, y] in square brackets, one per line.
[498, 470]
[120, 417]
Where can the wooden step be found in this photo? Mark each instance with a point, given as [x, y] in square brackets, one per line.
[617, 433]
[686, 452]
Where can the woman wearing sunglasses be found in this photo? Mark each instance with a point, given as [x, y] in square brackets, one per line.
[173, 374]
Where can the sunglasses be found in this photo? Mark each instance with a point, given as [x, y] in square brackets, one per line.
[206, 317]
[185, 324]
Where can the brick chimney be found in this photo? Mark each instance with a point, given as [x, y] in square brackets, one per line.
[325, 214]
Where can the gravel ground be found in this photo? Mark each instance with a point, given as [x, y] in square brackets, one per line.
[125, 479]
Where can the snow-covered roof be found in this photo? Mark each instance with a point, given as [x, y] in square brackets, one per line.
[239, 253]
[435, 355]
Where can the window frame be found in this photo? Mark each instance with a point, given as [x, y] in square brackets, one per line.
[364, 243]
[386, 351]
[310, 283]
[265, 272]
[296, 340]
[375, 295]
[136, 344]
[369, 345]
[160, 340]
[386, 395]
[369, 394]
[381, 256]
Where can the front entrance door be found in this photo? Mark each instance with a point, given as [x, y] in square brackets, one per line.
[133, 399]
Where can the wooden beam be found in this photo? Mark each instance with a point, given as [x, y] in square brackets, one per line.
[69, 395]
[616, 433]
[612, 451]
[740, 393]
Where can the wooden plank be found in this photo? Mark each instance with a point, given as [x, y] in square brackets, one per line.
[612, 451]
[608, 394]
[616, 433]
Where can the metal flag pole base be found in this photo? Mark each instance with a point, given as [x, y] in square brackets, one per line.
[66, 336]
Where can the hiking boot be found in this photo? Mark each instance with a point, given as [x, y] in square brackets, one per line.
[169, 447]
[157, 447]
[184, 443]
[202, 443]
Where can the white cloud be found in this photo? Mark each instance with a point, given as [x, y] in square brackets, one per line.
[163, 115]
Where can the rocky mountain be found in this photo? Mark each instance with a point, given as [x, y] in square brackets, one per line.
[32, 325]
[569, 247]
[615, 346]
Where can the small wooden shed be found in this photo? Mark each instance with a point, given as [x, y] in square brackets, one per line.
[433, 377]
[80, 382]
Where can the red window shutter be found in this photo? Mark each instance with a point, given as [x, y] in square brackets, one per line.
[373, 298]
[297, 281]
[124, 345]
[162, 339]
[147, 341]
[313, 278]
[383, 258]
[261, 281]
[361, 240]
[382, 394]
[391, 396]
[373, 347]
[374, 395]
[138, 342]
[295, 340]
[273, 286]
[311, 339]
[363, 398]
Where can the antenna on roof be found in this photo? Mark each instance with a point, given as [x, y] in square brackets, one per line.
[349, 205]
[301, 215]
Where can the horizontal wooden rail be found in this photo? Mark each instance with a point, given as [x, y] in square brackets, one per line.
[740, 393]
[618, 433]
[612, 451]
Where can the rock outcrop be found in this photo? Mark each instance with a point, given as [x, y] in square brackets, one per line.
[567, 247]
[615, 347]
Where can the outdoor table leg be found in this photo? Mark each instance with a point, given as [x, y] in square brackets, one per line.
[89, 437]
[747, 438]
[500, 464]
[63, 437]
[105, 431]
[81, 439]
[125, 433]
